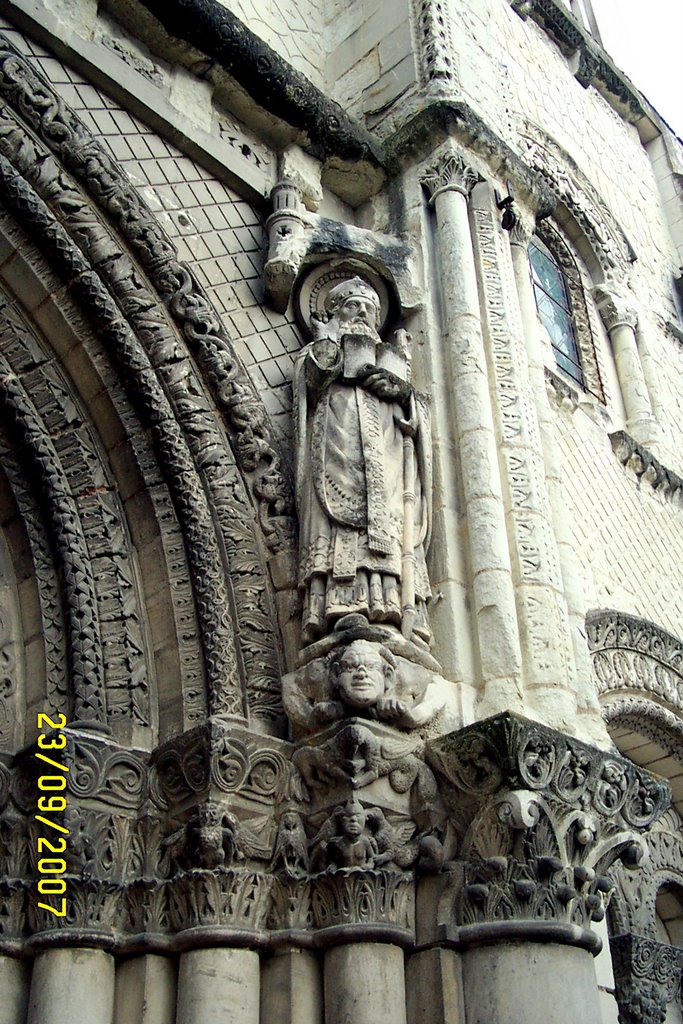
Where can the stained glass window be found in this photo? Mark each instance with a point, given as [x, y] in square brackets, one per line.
[554, 307]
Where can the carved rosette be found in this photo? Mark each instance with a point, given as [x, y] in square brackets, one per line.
[539, 819]
[647, 977]
[449, 174]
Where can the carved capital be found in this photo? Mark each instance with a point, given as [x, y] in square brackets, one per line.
[615, 308]
[647, 976]
[522, 230]
[449, 174]
[540, 817]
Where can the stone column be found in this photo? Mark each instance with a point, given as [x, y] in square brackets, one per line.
[533, 982]
[218, 986]
[620, 319]
[449, 184]
[541, 819]
[72, 986]
[591, 725]
[541, 609]
[14, 986]
[145, 991]
[365, 984]
[292, 988]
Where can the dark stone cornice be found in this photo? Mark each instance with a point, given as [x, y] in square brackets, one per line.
[269, 79]
[284, 92]
[593, 65]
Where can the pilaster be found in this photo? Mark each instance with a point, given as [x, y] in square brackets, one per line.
[449, 182]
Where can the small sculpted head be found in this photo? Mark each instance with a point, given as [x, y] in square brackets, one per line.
[354, 301]
[360, 672]
[352, 819]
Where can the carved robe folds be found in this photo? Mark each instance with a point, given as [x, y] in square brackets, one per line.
[363, 458]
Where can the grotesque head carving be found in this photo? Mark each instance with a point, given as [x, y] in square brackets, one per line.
[361, 672]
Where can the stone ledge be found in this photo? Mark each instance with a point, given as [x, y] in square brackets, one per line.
[592, 65]
[646, 467]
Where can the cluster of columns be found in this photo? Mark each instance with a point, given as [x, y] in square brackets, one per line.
[520, 572]
[355, 983]
[362, 982]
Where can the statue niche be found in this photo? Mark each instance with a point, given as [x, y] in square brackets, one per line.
[363, 473]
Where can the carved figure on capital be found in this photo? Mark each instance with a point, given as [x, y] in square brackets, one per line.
[358, 837]
[212, 837]
[363, 465]
[291, 845]
[362, 678]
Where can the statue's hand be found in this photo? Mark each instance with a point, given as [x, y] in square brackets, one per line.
[387, 385]
[324, 327]
[326, 711]
[391, 709]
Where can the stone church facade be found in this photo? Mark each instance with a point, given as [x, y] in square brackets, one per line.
[341, 507]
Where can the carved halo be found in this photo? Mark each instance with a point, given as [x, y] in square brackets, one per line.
[312, 290]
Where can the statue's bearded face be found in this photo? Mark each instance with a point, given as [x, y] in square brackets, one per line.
[356, 308]
[361, 679]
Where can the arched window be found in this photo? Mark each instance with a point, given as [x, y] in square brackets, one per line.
[561, 305]
[554, 307]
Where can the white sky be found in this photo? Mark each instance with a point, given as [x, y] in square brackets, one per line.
[645, 40]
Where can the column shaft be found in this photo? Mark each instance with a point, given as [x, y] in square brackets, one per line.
[631, 379]
[145, 991]
[14, 986]
[72, 986]
[434, 988]
[365, 984]
[292, 988]
[530, 982]
[494, 607]
[218, 986]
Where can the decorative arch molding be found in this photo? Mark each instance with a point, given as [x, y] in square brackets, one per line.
[223, 473]
[633, 904]
[638, 669]
[603, 245]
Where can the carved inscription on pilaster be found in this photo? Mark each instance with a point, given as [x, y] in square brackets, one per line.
[534, 557]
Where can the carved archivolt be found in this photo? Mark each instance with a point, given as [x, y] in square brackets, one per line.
[608, 244]
[638, 669]
[63, 189]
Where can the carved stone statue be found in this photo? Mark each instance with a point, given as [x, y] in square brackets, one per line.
[362, 678]
[363, 473]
